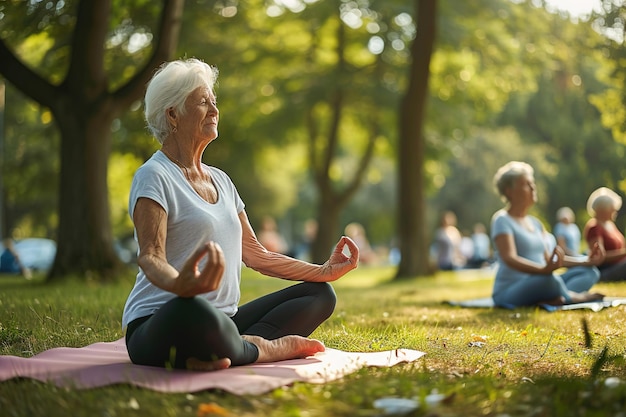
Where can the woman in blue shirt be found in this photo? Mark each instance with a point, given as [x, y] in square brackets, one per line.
[529, 256]
[567, 232]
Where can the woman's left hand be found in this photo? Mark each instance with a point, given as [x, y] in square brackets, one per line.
[597, 254]
[339, 264]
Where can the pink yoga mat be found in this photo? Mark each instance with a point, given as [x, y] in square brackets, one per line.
[107, 363]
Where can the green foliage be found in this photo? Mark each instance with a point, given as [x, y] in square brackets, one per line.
[29, 169]
[121, 170]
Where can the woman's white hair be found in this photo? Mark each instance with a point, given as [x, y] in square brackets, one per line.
[565, 213]
[170, 86]
[509, 173]
[603, 197]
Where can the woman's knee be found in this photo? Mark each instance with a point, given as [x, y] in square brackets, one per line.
[325, 297]
[533, 292]
[195, 311]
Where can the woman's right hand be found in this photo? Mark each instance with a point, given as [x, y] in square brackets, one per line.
[554, 260]
[192, 280]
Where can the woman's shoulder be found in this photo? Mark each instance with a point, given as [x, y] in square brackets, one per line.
[154, 170]
[153, 165]
[217, 171]
[499, 215]
[220, 175]
[592, 223]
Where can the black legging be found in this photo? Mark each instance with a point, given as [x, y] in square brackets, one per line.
[191, 327]
[613, 272]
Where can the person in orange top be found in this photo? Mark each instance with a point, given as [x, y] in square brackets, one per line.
[603, 205]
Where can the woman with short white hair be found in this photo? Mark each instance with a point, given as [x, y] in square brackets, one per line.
[603, 205]
[194, 234]
[528, 255]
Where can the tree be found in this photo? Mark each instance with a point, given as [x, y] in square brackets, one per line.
[411, 204]
[332, 199]
[84, 103]
[305, 80]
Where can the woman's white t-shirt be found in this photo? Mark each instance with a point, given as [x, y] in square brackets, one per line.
[191, 222]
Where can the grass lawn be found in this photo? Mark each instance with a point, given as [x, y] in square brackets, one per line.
[528, 362]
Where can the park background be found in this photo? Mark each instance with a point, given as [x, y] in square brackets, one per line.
[311, 95]
[308, 90]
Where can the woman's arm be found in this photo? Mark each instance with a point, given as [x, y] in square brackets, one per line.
[609, 255]
[596, 257]
[151, 226]
[508, 253]
[274, 264]
[560, 240]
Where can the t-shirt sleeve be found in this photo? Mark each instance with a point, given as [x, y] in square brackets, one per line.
[147, 183]
[500, 226]
[559, 230]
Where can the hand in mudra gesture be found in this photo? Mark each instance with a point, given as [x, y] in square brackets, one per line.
[193, 279]
[340, 264]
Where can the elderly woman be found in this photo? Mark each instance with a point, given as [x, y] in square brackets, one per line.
[193, 235]
[601, 230]
[528, 255]
[567, 232]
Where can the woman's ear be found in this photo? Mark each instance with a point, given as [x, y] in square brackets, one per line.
[171, 116]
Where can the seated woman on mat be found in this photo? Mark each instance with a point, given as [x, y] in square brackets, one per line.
[528, 255]
[567, 232]
[603, 205]
[193, 235]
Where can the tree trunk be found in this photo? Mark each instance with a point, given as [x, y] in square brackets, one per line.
[327, 229]
[331, 199]
[411, 204]
[85, 240]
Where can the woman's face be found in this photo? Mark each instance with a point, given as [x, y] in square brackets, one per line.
[201, 116]
[523, 193]
[605, 212]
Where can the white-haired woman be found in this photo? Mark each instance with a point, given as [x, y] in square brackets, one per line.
[193, 235]
[528, 255]
[603, 205]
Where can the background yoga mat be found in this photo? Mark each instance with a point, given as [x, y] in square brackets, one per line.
[487, 302]
[107, 363]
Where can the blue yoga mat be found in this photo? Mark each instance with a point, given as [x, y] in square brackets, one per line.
[487, 302]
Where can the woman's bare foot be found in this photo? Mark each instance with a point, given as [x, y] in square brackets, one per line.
[194, 364]
[558, 301]
[287, 347]
[584, 297]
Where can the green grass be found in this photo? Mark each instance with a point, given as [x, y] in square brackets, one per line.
[532, 363]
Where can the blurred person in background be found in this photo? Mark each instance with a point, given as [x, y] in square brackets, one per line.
[482, 247]
[356, 232]
[270, 237]
[529, 256]
[603, 205]
[10, 262]
[567, 232]
[447, 244]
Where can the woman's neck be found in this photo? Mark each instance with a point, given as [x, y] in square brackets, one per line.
[519, 212]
